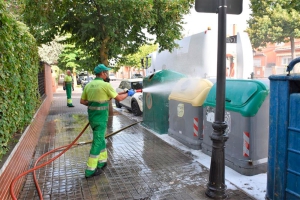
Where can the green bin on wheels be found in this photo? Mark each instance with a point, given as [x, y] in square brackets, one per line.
[156, 90]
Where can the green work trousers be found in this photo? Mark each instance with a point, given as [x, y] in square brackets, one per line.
[98, 116]
[69, 93]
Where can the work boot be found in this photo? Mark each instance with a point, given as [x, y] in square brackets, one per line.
[101, 166]
[97, 172]
[70, 105]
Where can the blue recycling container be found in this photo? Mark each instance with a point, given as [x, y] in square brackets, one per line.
[283, 176]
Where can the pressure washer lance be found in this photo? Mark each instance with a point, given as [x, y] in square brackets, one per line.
[64, 148]
[108, 135]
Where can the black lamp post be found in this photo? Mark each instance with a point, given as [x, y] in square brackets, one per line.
[216, 187]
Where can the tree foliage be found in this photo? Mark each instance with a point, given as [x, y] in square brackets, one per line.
[274, 22]
[15, 7]
[106, 29]
[50, 52]
[134, 60]
[74, 58]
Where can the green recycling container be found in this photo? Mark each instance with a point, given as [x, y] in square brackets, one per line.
[156, 90]
[247, 117]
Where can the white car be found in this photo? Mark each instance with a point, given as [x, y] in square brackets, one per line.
[134, 103]
[112, 77]
[85, 81]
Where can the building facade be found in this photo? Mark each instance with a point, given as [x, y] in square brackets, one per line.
[274, 58]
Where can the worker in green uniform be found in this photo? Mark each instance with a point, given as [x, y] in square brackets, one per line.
[96, 96]
[69, 86]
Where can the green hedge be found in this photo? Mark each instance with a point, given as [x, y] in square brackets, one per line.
[19, 67]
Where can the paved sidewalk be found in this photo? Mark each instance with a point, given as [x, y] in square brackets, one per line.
[140, 166]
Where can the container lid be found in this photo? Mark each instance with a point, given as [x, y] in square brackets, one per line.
[243, 96]
[163, 76]
[191, 90]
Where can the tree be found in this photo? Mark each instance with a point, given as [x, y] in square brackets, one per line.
[50, 52]
[72, 57]
[15, 7]
[69, 57]
[134, 60]
[108, 28]
[274, 22]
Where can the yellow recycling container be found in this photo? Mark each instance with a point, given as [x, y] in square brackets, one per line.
[186, 111]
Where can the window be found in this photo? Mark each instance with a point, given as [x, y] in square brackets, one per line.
[122, 85]
[256, 63]
[286, 60]
[127, 85]
[137, 85]
[270, 65]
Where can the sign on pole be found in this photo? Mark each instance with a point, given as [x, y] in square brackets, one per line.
[211, 6]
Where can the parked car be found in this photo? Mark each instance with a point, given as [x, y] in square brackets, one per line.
[134, 103]
[79, 79]
[112, 77]
[81, 76]
[137, 76]
[86, 80]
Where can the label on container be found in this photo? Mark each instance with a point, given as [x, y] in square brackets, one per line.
[180, 110]
[149, 101]
[210, 117]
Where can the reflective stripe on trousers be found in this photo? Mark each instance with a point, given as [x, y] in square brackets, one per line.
[98, 107]
[94, 160]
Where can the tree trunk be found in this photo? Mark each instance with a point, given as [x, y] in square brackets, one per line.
[292, 39]
[104, 51]
[104, 60]
[110, 109]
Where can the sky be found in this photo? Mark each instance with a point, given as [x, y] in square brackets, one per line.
[198, 22]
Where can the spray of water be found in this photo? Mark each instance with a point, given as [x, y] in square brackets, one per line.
[186, 86]
[162, 88]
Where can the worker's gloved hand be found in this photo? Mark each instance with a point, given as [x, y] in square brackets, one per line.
[131, 92]
[64, 88]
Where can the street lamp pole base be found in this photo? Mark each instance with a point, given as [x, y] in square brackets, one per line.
[211, 192]
[216, 187]
[214, 193]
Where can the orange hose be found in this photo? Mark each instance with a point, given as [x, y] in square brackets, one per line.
[42, 165]
[67, 147]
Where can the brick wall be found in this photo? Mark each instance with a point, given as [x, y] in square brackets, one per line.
[21, 155]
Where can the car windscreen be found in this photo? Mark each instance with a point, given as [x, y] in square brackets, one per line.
[137, 85]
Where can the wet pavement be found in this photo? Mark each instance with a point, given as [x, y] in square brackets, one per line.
[140, 165]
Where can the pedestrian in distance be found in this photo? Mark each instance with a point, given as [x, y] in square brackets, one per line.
[96, 96]
[68, 85]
